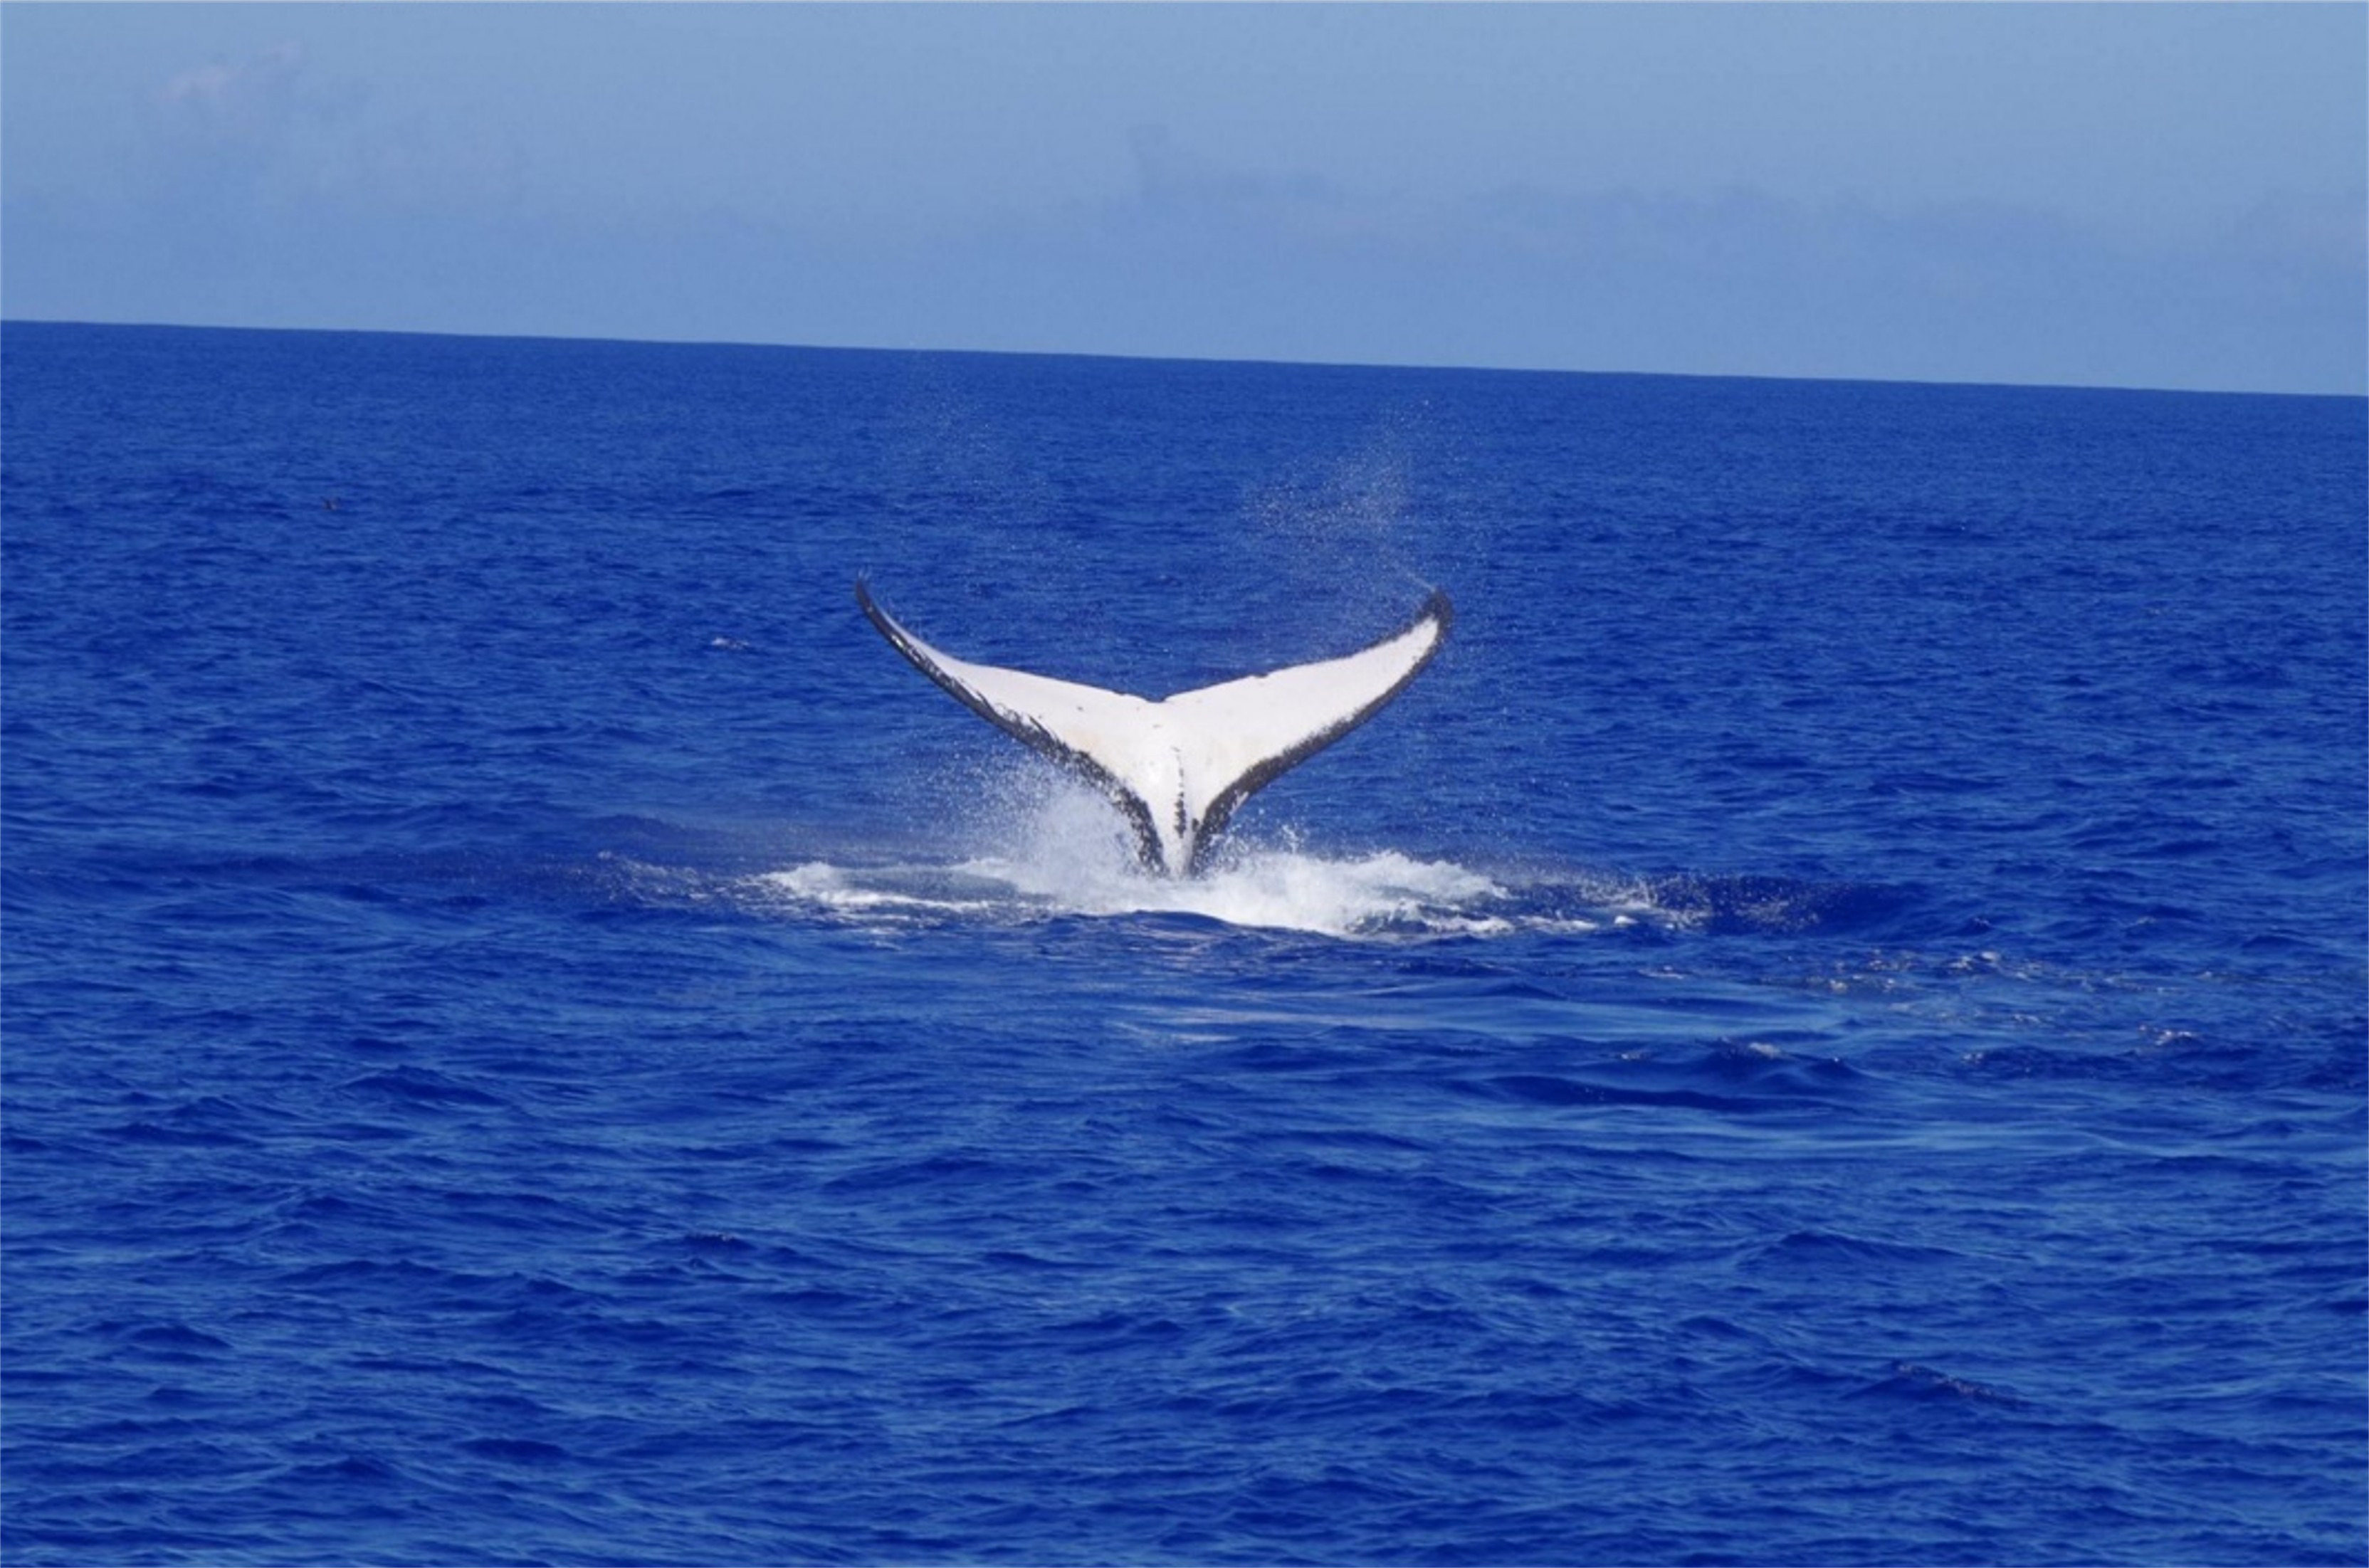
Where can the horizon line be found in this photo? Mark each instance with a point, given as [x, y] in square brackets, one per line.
[1276, 364]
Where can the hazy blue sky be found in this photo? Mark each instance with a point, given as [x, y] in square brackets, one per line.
[2160, 195]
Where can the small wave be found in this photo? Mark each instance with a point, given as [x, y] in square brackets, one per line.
[1908, 1380]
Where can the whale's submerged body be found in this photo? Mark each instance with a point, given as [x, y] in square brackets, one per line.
[1178, 768]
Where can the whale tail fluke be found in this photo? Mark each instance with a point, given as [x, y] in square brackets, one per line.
[1179, 767]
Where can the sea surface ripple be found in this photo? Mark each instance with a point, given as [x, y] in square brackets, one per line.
[1827, 1028]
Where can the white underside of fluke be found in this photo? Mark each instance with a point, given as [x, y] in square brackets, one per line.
[1180, 766]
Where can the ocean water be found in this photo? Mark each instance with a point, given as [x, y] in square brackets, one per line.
[1828, 1027]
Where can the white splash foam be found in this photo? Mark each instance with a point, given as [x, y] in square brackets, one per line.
[1277, 889]
[1282, 890]
[1065, 853]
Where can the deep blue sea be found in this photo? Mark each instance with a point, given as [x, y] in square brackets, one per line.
[1826, 1028]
